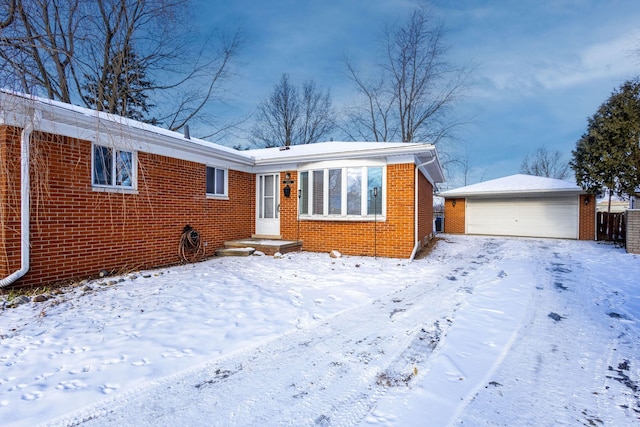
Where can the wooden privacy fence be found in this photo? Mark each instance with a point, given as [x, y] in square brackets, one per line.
[611, 226]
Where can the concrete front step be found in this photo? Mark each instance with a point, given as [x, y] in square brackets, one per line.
[267, 246]
[245, 251]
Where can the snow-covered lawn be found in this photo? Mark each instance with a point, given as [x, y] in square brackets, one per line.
[483, 331]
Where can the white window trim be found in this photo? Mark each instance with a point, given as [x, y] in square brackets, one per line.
[133, 189]
[363, 194]
[224, 196]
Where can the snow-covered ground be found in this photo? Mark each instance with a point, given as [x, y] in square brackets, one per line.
[483, 331]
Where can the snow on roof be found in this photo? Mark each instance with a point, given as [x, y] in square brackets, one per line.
[515, 184]
[57, 113]
[424, 154]
[339, 150]
[330, 147]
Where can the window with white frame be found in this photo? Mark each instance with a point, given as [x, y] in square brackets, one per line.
[343, 192]
[113, 168]
[217, 181]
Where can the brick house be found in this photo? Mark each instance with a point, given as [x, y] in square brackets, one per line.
[521, 205]
[83, 191]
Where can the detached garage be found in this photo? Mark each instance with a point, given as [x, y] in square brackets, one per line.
[521, 205]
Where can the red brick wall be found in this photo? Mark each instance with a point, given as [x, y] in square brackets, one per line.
[75, 231]
[587, 222]
[425, 208]
[289, 207]
[394, 237]
[454, 216]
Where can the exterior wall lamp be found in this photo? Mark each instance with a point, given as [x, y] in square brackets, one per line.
[587, 200]
[287, 180]
[453, 203]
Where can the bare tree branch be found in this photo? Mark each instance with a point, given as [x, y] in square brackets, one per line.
[288, 117]
[120, 56]
[545, 163]
[415, 88]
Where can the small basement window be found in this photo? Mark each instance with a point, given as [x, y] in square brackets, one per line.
[113, 168]
[217, 185]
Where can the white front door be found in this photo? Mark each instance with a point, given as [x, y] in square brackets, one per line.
[268, 205]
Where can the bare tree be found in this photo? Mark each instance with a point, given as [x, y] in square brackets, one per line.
[317, 114]
[290, 117]
[372, 119]
[414, 88]
[106, 53]
[36, 48]
[545, 163]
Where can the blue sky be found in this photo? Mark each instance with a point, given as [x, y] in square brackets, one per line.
[541, 67]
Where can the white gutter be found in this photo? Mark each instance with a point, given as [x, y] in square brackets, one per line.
[355, 153]
[415, 225]
[24, 208]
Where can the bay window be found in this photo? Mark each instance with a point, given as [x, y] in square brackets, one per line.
[347, 192]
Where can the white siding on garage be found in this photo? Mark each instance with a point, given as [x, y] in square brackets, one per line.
[525, 216]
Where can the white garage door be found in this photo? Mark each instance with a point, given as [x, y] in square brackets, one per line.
[527, 216]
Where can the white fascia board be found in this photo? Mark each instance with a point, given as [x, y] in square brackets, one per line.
[344, 163]
[512, 193]
[401, 159]
[311, 158]
[128, 138]
[130, 141]
[275, 168]
[113, 130]
[387, 152]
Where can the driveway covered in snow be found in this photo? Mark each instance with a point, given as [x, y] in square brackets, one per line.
[483, 331]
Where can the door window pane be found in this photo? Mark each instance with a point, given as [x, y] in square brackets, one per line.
[269, 208]
[304, 195]
[261, 197]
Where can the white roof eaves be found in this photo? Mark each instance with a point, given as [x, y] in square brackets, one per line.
[83, 123]
[519, 184]
[264, 157]
[431, 167]
[528, 192]
[393, 152]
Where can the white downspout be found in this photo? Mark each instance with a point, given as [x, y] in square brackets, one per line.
[415, 225]
[24, 208]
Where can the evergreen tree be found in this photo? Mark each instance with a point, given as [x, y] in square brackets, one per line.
[607, 156]
[122, 88]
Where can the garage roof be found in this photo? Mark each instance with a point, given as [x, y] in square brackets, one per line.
[516, 185]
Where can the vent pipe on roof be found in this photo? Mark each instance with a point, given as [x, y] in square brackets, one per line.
[186, 132]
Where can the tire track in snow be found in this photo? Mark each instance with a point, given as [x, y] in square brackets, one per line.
[330, 374]
[570, 379]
